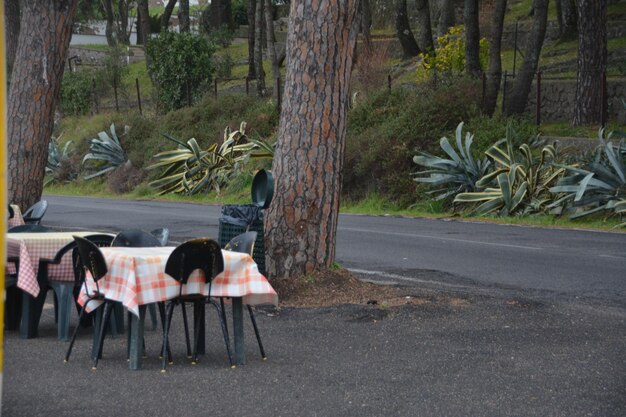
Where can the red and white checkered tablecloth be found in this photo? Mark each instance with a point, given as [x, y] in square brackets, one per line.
[26, 279]
[137, 276]
[17, 219]
[43, 245]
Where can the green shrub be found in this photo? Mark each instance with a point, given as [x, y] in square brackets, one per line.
[489, 130]
[76, 93]
[180, 64]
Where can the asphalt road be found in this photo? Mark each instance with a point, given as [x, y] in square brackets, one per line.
[450, 254]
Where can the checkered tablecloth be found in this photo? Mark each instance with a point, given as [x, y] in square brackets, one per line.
[43, 245]
[137, 276]
[17, 219]
[26, 279]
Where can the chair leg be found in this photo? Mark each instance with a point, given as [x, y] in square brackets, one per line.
[224, 316]
[224, 332]
[186, 325]
[166, 331]
[256, 332]
[108, 308]
[80, 316]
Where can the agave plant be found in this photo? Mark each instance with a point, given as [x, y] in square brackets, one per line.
[105, 153]
[520, 183]
[598, 187]
[455, 175]
[56, 159]
[190, 170]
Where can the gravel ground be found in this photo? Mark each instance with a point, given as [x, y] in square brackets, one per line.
[483, 354]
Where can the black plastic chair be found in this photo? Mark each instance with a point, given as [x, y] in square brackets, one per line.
[203, 254]
[91, 259]
[162, 234]
[35, 213]
[29, 228]
[244, 243]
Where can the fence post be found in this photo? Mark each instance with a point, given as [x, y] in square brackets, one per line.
[278, 93]
[604, 101]
[117, 105]
[389, 81]
[138, 95]
[515, 48]
[188, 94]
[504, 91]
[215, 87]
[484, 81]
[93, 92]
[247, 85]
[538, 98]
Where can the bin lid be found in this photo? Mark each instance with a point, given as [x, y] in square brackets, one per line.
[263, 188]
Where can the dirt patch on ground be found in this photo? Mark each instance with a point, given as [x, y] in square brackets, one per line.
[328, 288]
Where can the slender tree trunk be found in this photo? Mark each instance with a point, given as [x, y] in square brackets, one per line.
[144, 21]
[365, 23]
[34, 93]
[494, 74]
[403, 30]
[269, 36]
[472, 38]
[425, 33]
[592, 56]
[518, 96]
[111, 27]
[11, 31]
[301, 222]
[258, 49]
[569, 19]
[167, 14]
[251, 38]
[123, 31]
[446, 17]
[184, 24]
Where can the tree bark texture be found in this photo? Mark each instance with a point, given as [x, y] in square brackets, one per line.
[258, 49]
[472, 38]
[446, 17]
[11, 31]
[403, 30]
[221, 14]
[518, 96]
[592, 58]
[269, 36]
[144, 21]
[34, 94]
[251, 38]
[184, 25]
[365, 23]
[425, 33]
[167, 14]
[494, 73]
[122, 22]
[569, 19]
[111, 28]
[301, 222]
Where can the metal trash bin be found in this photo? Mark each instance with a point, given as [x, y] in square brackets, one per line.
[240, 218]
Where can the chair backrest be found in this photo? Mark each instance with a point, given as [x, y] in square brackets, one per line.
[135, 238]
[91, 258]
[35, 213]
[243, 243]
[100, 240]
[163, 234]
[204, 254]
[29, 228]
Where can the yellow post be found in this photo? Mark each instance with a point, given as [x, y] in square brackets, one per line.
[3, 189]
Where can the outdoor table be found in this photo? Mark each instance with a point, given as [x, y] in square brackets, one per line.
[31, 248]
[136, 277]
[17, 219]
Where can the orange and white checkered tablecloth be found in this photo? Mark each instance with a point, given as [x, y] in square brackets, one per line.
[17, 219]
[43, 245]
[26, 279]
[137, 276]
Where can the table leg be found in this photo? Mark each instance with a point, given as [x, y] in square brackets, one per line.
[240, 353]
[136, 339]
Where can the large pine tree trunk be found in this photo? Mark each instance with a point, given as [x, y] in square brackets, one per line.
[167, 14]
[34, 93]
[269, 36]
[184, 25]
[11, 31]
[592, 56]
[494, 74]
[403, 30]
[144, 22]
[301, 223]
[472, 38]
[568, 18]
[258, 49]
[518, 96]
[251, 38]
[425, 34]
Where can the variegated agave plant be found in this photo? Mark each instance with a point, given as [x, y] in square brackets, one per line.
[191, 170]
[520, 183]
[56, 158]
[455, 175]
[105, 153]
[598, 187]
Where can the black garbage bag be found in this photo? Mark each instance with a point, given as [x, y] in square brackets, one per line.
[241, 214]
